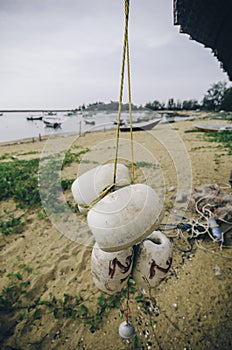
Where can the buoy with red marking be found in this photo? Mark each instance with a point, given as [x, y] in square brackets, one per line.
[153, 261]
[111, 271]
[125, 217]
[89, 185]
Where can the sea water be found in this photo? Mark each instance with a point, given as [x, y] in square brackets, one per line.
[15, 126]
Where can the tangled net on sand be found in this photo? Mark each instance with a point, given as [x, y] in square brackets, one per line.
[215, 200]
[210, 216]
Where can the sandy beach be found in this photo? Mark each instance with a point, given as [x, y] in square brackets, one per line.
[49, 257]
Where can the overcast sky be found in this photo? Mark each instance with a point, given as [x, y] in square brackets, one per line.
[62, 53]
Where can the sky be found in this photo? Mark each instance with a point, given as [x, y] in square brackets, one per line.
[59, 54]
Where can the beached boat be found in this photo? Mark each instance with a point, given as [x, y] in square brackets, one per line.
[52, 122]
[168, 119]
[213, 127]
[140, 126]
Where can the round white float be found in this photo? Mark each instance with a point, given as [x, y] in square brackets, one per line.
[124, 217]
[126, 330]
[89, 185]
[153, 261]
[111, 271]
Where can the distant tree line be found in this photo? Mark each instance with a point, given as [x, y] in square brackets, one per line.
[218, 97]
[111, 106]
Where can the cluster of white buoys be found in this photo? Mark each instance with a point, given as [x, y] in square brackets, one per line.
[121, 221]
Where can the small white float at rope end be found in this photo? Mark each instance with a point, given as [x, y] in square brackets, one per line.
[126, 330]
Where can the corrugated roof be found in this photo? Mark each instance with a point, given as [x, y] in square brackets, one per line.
[209, 22]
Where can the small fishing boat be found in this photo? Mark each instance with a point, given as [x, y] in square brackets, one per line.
[168, 119]
[140, 126]
[53, 122]
[122, 122]
[90, 122]
[87, 114]
[213, 127]
[51, 113]
[35, 118]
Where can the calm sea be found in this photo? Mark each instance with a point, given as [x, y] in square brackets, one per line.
[15, 126]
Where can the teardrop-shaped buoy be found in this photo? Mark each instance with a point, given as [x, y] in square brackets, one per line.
[126, 330]
[153, 261]
[89, 185]
[124, 217]
[111, 270]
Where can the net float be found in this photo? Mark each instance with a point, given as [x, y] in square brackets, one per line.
[125, 217]
[88, 186]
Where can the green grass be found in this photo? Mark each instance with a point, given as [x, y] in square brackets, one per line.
[19, 178]
[16, 297]
[223, 138]
[11, 225]
[19, 181]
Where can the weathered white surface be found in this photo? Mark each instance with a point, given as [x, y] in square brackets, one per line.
[154, 260]
[89, 185]
[125, 217]
[111, 271]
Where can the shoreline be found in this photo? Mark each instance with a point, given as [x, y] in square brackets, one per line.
[65, 133]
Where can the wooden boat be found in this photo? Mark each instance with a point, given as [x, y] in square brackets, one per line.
[35, 118]
[213, 127]
[90, 122]
[51, 113]
[52, 122]
[168, 119]
[140, 126]
[122, 122]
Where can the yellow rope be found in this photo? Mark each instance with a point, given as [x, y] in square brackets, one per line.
[125, 54]
[130, 111]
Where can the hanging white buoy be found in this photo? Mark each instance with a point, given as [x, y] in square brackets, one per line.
[111, 271]
[153, 261]
[89, 185]
[124, 217]
[126, 330]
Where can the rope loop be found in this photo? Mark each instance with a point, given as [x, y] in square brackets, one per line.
[124, 56]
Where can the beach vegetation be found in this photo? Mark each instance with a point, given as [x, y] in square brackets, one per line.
[6, 156]
[144, 164]
[19, 179]
[71, 157]
[223, 137]
[11, 225]
[16, 297]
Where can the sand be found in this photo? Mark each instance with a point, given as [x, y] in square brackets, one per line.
[193, 306]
